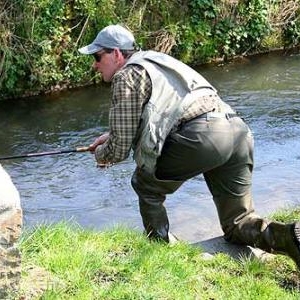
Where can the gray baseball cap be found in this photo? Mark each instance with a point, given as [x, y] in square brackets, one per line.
[112, 36]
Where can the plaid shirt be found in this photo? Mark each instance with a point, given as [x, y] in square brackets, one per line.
[131, 89]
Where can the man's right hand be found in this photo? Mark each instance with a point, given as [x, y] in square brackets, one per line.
[99, 141]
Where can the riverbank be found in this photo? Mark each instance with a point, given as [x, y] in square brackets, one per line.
[64, 261]
[57, 89]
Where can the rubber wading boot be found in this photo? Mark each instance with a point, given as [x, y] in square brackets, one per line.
[160, 234]
[170, 238]
[283, 239]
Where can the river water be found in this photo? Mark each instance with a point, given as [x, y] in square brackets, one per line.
[265, 90]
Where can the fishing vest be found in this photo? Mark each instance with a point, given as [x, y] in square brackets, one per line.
[174, 87]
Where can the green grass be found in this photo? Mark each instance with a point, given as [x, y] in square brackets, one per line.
[122, 264]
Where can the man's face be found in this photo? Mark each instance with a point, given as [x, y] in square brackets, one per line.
[108, 63]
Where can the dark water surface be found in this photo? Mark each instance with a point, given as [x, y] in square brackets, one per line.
[265, 90]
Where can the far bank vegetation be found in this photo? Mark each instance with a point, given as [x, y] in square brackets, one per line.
[39, 38]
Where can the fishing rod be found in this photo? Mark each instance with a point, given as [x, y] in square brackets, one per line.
[78, 149]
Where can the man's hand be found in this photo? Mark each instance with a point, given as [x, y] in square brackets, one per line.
[99, 141]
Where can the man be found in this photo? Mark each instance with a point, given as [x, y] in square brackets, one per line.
[178, 127]
[10, 230]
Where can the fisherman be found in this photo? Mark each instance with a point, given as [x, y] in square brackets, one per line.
[178, 128]
[10, 230]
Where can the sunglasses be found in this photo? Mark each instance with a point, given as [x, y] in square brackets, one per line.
[98, 55]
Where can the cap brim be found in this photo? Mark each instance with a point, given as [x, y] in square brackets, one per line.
[90, 49]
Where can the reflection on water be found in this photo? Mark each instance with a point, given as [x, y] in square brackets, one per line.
[265, 90]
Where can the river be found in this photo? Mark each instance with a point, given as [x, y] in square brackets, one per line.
[264, 89]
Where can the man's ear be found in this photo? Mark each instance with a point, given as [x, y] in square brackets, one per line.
[118, 56]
